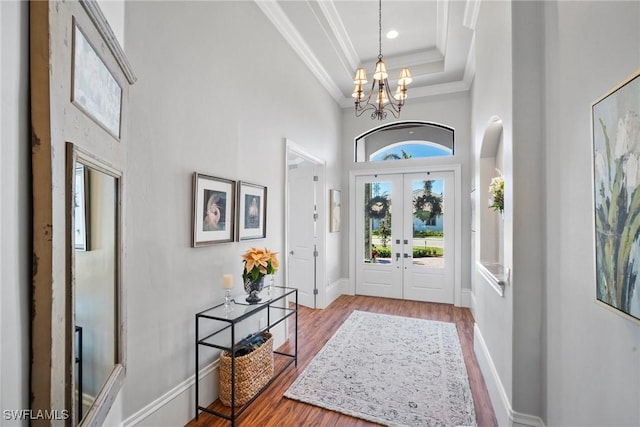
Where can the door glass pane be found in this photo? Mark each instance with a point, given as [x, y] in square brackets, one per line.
[428, 223]
[377, 222]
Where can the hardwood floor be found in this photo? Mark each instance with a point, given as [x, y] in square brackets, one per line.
[315, 329]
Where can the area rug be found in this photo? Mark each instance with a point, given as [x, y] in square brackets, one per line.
[392, 370]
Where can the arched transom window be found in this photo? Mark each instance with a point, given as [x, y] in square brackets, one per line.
[405, 140]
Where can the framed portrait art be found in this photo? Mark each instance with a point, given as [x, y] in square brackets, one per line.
[252, 211]
[616, 185]
[213, 210]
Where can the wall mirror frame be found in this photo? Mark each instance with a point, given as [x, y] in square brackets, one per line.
[99, 139]
[96, 352]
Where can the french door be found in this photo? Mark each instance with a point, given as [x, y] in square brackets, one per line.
[405, 236]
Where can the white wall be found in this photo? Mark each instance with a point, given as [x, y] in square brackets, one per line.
[593, 355]
[15, 208]
[452, 110]
[218, 91]
[492, 97]
[557, 354]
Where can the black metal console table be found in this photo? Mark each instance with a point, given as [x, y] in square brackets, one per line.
[219, 330]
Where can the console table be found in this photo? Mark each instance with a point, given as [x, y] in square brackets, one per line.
[217, 328]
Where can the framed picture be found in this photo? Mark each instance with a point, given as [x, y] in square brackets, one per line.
[616, 182]
[252, 211]
[81, 212]
[334, 211]
[94, 90]
[213, 210]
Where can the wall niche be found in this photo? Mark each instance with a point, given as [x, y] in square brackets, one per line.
[490, 227]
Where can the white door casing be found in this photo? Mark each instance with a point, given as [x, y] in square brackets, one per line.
[413, 286]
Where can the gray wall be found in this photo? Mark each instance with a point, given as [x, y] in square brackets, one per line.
[559, 355]
[590, 359]
[218, 91]
[592, 354]
[15, 208]
[492, 97]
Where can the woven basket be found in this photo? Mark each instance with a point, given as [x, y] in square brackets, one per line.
[253, 371]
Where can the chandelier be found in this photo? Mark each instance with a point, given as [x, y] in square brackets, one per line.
[379, 100]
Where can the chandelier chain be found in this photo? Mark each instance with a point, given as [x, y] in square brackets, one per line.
[380, 100]
[380, 29]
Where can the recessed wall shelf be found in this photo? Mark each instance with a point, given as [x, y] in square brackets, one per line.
[496, 275]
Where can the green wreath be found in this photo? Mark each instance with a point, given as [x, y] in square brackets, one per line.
[377, 207]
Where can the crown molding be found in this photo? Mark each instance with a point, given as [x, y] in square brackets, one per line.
[442, 25]
[280, 20]
[470, 66]
[348, 51]
[471, 12]
[425, 91]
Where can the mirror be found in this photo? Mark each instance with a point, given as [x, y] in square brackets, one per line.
[80, 79]
[95, 355]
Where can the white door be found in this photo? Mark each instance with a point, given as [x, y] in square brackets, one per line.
[378, 256]
[428, 234]
[404, 236]
[302, 230]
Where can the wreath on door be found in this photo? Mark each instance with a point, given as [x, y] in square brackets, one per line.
[377, 207]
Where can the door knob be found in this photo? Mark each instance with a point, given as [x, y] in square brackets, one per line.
[407, 256]
[291, 253]
[397, 256]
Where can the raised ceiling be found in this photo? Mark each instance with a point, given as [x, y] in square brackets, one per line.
[334, 37]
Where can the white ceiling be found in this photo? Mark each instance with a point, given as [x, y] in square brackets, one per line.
[334, 37]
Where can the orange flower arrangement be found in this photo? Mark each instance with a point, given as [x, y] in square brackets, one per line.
[258, 262]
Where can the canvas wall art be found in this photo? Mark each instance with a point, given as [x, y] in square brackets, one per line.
[334, 211]
[94, 89]
[616, 166]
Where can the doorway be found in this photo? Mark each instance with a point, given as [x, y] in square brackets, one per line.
[304, 231]
[405, 236]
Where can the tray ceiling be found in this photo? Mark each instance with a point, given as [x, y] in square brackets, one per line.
[334, 37]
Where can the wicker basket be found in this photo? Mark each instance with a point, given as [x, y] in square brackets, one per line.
[253, 371]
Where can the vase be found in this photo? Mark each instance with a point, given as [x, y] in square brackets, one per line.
[253, 288]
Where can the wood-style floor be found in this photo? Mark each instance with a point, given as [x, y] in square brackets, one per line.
[315, 329]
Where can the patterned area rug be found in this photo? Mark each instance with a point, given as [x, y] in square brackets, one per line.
[392, 370]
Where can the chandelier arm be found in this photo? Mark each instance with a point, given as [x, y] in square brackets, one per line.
[365, 100]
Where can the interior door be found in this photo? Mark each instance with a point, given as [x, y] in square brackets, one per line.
[428, 266]
[405, 235]
[302, 236]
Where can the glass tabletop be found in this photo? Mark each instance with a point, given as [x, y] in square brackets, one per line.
[239, 308]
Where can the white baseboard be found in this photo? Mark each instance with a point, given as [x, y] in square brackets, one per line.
[472, 303]
[505, 414]
[465, 298]
[335, 289]
[176, 407]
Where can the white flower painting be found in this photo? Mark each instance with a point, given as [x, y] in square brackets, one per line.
[616, 143]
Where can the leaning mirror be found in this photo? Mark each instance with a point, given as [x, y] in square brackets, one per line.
[96, 357]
